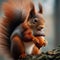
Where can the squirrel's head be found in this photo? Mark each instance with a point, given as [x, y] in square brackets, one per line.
[36, 21]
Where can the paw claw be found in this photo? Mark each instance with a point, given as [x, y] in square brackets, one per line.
[23, 55]
[45, 43]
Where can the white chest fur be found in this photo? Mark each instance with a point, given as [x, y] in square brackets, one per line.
[28, 47]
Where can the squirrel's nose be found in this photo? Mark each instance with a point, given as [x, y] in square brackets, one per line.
[40, 27]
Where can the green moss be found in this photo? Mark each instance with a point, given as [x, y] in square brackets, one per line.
[49, 55]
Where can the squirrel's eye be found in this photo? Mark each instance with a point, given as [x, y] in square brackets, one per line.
[35, 20]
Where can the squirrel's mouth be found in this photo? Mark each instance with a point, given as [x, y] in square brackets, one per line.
[39, 33]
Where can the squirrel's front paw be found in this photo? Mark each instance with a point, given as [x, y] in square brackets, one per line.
[45, 43]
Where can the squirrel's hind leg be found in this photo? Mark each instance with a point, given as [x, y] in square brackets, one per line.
[36, 51]
[17, 47]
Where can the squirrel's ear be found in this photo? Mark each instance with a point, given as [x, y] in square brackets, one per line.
[32, 11]
[40, 9]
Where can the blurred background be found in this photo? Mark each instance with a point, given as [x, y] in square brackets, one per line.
[51, 13]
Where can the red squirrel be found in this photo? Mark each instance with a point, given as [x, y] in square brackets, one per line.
[23, 27]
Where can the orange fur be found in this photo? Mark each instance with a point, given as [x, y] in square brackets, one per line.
[28, 37]
[23, 13]
[35, 51]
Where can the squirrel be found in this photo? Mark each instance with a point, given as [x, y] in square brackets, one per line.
[21, 28]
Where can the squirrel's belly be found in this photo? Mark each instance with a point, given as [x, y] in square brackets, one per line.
[28, 47]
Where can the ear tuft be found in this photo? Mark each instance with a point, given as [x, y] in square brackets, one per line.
[40, 8]
[32, 11]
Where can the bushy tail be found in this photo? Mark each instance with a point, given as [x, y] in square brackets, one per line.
[14, 15]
